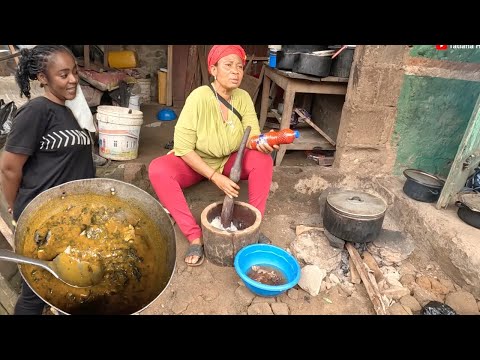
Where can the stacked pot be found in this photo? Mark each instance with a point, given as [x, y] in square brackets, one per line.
[315, 60]
[290, 54]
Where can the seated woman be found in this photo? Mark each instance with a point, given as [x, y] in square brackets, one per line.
[206, 140]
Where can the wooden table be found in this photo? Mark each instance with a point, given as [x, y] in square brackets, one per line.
[293, 83]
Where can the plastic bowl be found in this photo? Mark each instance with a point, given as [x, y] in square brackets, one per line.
[271, 256]
[166, 115]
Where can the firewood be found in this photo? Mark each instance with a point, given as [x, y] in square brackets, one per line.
[368, 280]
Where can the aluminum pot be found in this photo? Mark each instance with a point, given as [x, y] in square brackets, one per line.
[285, 60]
[342, 63]
[315, 64]
[162, 243]
[354, 215]
[422, 186]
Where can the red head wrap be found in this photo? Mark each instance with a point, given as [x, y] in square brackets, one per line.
[219, 51]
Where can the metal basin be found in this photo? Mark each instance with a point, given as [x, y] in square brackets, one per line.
[154, 251]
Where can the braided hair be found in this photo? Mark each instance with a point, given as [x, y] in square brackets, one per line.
[34, 61]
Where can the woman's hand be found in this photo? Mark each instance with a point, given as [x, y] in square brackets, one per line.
[229, 187]
[264, 148]
[267, 149]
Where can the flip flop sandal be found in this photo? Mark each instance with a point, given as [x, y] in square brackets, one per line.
[195, 250]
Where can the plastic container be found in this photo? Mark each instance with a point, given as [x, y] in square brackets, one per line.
[145, 90]
[272, 60]
[285, 136]
[275, 47]
[273, 257]
[125, 59]
[119, 132]
[166, 115]
[134, 102]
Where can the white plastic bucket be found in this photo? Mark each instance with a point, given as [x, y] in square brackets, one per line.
[145, 92]
[119, 132]
[134, 102]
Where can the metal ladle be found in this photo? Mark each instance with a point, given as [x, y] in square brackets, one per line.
[65, 267]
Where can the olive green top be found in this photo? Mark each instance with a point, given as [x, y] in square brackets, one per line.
[200, 126]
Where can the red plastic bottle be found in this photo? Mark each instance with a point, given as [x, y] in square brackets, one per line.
[285, 136]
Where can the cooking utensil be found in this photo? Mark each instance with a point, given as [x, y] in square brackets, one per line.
[316, 64]
[342, 60]
[303, 48]
[422, 186]
[339, 51]
[159, 265]
[285, 60]
[65, 267]
[227, 209]
[469, 209]
[354, 215]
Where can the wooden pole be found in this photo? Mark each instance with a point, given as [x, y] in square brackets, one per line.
[7, 232]
[170, 75]
[12, 50]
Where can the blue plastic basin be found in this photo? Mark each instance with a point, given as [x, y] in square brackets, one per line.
[267, 255]
[166, 115]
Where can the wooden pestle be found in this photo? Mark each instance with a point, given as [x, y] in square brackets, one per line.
[227, 208]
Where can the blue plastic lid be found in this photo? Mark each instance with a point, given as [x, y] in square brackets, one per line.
[297, 133]
[166, 115]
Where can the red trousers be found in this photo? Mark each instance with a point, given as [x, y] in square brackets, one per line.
[169, 174]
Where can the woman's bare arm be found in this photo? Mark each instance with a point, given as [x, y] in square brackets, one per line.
[11, 171]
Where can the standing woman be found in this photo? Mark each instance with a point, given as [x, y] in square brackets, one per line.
[206, 140]
[46, 146]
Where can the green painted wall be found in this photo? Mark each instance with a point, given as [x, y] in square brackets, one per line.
[432, 116]
[461, 55]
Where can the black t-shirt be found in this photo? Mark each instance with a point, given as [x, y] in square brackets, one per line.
[59, 149]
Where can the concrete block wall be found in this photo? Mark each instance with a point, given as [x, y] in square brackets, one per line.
[151, 59]
[370, 110]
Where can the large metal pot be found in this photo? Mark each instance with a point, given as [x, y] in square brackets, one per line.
[316, 64]
[354, 215]
[161, 244]
[285, 60]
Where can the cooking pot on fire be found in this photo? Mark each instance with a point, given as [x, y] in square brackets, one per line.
[354, 215]
[140, 260]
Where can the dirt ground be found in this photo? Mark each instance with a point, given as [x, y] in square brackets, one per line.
[212, 289]
[296, 186]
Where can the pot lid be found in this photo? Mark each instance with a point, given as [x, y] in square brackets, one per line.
[357, 203]
[423, 178]
[471, 200]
